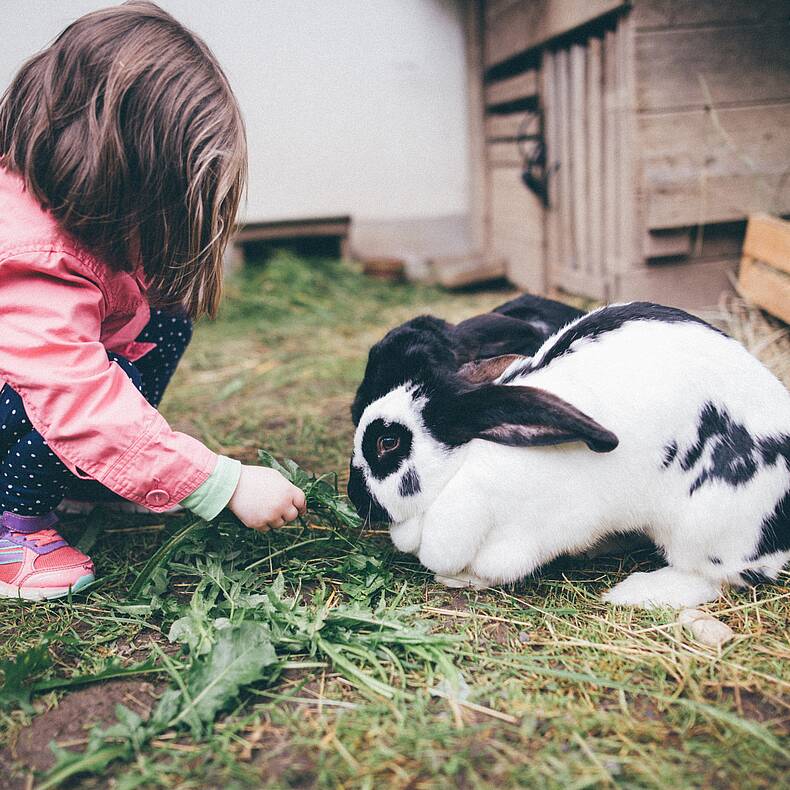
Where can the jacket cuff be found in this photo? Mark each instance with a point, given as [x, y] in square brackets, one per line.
[210, 498]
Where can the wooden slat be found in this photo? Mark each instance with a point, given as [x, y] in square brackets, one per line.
[707, 200]
[460, 271]
[493, 8]
[673, 243]
[578, 155]
[517, 228]
[768, 240]
[505, 33]
[505, 154]
[700, 167]
[766, 287]
[661, 13]
[291, 229]
[583, 283]
[594, 157]
[628, 221]
[505, 126]
[749, 63]
[551, 227]
[611, 204]
[518, 87]
[551, 18]
[692, 286]
[523, 25]
[564, 158]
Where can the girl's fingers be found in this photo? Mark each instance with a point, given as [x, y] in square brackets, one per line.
[277, 523]
[300, 502]
[291, 514]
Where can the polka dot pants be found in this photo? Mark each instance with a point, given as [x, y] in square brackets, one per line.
[33, 480]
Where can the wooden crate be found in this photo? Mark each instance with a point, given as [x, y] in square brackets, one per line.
[765, 266]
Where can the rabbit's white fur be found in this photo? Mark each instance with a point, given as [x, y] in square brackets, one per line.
[488, 513]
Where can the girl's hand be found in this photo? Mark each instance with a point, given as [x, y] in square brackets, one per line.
[264, 499]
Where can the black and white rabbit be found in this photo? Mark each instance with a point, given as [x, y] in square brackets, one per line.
[634, 418]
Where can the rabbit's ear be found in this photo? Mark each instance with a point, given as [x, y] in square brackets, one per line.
[524, 416]
[492, 335]
[487, 370]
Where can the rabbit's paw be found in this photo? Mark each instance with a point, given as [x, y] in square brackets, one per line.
[463, 579]
[667, 587]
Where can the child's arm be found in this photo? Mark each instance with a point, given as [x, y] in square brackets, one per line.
[88, 410]
[259, 497]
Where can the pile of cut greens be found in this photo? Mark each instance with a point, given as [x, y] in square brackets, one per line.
[243, 624]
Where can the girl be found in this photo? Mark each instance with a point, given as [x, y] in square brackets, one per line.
[122, 163]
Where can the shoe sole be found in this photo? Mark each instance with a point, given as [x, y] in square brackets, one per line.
[44, 593]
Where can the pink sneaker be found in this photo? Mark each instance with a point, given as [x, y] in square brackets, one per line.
[36, 564]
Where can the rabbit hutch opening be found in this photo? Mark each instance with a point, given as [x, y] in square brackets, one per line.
[620, 147]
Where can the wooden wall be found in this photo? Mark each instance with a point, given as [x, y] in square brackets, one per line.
[712, 138]
[667, 122]
[515, 222]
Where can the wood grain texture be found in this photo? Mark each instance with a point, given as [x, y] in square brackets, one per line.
[685, 13]
[578, 161]
[691, 286]
[503, 154]
[766, 287]
[611, 154]
[505, 33]
[524, 84]
[768, 240]
[594, 97]
[631, 211]
[517, 228]
[672, 243]
[715, 166]
[508, 127]
[738, 64]
[563, 157]
[552, 242]
[512, 28]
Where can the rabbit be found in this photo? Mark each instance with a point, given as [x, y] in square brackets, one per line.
[635, 418]
[519, 326]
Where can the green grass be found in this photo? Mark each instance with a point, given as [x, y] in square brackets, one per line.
[319, 656]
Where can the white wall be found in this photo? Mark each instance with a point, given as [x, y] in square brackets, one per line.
[352, 106]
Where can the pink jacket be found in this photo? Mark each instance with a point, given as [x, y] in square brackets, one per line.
[61, 310]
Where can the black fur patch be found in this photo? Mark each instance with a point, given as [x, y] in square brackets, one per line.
[545, 314]
[776, 528]
[606, 320]
[383, 466]
[493, 335]
[366, 504]
[420, 350]
[670, 451]
[775, 535]
[714, 560]
[752, 578]
[734, 457]
[410, 483]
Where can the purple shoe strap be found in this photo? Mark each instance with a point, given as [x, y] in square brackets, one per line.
[28, 524]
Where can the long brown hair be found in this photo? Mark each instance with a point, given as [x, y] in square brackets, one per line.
[127, 131]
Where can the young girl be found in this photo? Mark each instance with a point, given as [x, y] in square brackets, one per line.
[122, 163]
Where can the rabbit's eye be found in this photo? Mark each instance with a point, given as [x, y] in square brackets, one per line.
[387, 444]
